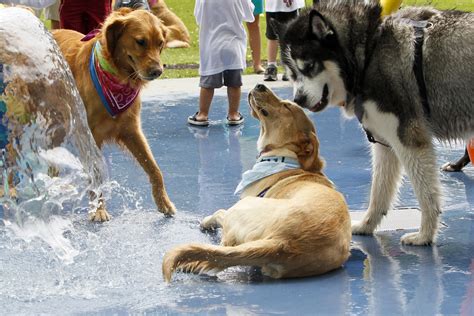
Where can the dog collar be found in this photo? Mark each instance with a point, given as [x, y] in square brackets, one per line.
[116, 96]
[265, 167]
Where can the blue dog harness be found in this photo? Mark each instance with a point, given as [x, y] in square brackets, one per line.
[265, 167]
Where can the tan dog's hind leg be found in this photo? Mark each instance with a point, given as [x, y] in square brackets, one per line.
[136, 143]
[213, 221]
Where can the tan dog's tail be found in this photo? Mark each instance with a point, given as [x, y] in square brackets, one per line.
[196, 258]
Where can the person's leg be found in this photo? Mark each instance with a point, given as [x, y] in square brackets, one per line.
[233, 94]
[272, 48]
[97, 12]
[205, 100]
[71, 15]
[255, 44]
[272, 51]
[52, 13]
[233, 82]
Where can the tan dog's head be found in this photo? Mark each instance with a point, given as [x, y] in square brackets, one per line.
[134, 41]
[284, 125]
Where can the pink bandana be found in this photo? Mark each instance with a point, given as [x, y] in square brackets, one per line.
[116, 96]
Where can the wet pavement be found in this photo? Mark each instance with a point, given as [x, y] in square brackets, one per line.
[116, 267]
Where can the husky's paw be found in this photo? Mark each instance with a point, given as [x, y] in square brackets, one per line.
[361, 228]
[100, 215]
[450, 167]
[416, 239]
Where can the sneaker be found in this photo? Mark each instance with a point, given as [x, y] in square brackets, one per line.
[238, 121]
[285, 77]
[194, 121]
[270, 73]
[133, 4]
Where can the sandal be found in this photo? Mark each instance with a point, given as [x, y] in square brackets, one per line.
[238, 121]
[194, 121]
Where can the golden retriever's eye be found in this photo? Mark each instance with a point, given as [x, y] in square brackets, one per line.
[141, 42]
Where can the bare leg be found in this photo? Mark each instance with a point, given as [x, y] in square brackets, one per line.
[272, 50]
[385, 178]
[255, 44]
[205, 99]
[233, 94]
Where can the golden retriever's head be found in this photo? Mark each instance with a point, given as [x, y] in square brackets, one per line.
[134, 41]
[284, 125]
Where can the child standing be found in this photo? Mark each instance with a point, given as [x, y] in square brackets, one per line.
[222, 50]
[282, 11]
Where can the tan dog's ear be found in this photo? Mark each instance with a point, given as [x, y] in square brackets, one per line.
[113, 31]
[308, 155]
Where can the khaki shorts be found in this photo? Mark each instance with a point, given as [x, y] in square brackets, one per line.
[228, 78]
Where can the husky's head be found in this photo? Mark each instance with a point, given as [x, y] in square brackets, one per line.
[311, 53]
[323, 50]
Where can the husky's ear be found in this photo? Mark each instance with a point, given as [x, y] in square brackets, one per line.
[318, 26]
[279, 28]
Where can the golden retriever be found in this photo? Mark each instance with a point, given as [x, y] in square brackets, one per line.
[178, 35]
[131, 43]
[301, 225]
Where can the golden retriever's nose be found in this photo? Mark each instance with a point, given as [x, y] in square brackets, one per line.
[155, 72]
[260, 87]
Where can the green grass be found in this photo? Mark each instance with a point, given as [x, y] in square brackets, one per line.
[185, 56]
[185, 9]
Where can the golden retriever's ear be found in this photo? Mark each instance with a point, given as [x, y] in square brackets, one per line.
[165, 31]
[113, 31]
[308, 155]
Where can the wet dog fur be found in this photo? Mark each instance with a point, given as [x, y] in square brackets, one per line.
[343, 53]
[131, 41]
[301, 227]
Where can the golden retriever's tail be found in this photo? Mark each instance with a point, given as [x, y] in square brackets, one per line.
[196, 258]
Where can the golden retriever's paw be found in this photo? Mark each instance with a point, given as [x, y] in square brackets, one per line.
[416, 239]
[100, 215]
[167, 207]
[361, 228]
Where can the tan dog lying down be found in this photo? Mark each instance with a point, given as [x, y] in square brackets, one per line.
[301, 226]
[127, 49]
[178, 34]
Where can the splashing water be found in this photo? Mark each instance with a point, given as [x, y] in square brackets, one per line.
[50, 165]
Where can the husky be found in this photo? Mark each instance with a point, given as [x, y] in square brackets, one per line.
[407, 77]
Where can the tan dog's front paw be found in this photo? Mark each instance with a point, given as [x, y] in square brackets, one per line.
[100, 215]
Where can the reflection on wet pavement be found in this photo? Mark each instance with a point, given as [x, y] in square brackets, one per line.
[117, 267]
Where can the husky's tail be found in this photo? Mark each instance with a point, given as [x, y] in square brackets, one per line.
[198, 258]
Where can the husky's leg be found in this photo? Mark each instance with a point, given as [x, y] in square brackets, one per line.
[385, 179]
[213, 221]
[420, 165]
